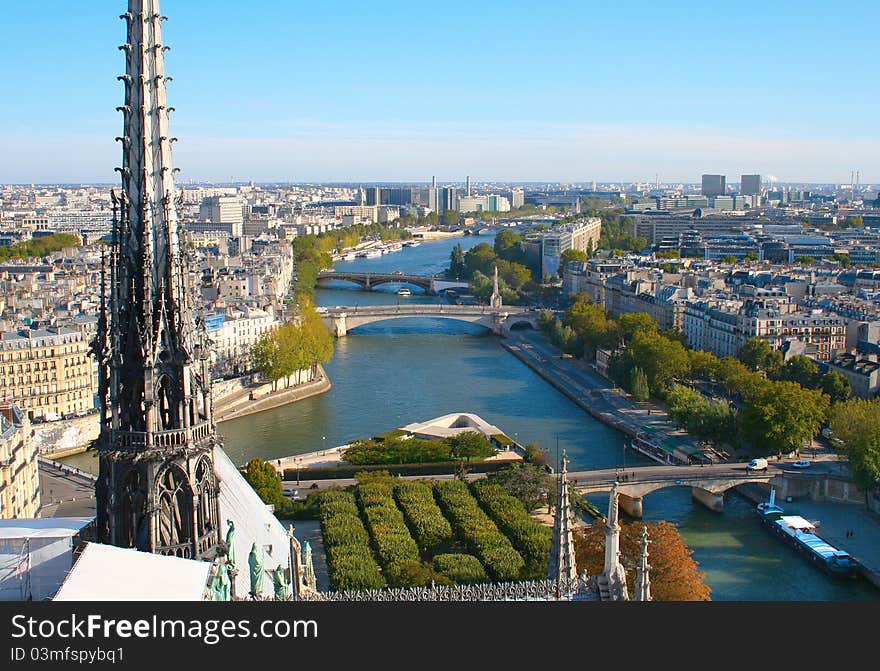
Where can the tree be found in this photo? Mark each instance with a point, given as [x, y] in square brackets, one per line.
[668, 254]
[450, 218]
[265, 481]
[805, 260]
[480, 258]
[801, 369]
[589, 323]
[515, 275]
[470, 445]
[664, 361]
[836, 386]
[569, 256]
[711, 420]
[728, 258]
[783, 417]
[843, 259]
[457, 267]
[754, 353]
[674, 574]
[856, 423]
[751, 256]
[704, 365]
[634, 322]
[508, 246]
[530, 483]
[638, 385]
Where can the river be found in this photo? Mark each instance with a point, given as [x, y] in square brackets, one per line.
[389, 374]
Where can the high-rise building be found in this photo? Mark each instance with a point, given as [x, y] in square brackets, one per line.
[750, 185]
[157, 489]
[446, 199]
[373, 196]
[714, 185]
[469, 185]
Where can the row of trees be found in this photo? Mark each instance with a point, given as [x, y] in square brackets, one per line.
[465, 446]
[299, 345]
[39, 247]
[478, 265]
[778, 406]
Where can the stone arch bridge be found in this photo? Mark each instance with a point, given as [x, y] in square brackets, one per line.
[708, 483]
[341, 320]
[431, 284]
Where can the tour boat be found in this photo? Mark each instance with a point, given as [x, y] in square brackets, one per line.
[373, 253]
[801, 535]
[403, 291]
[351, 256]
[411, 243]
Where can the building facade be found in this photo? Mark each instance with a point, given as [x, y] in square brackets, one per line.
[19, 479]
[47, 372]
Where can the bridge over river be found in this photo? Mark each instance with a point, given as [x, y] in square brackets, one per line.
[431, 284]
[708, 482]
[342, 319]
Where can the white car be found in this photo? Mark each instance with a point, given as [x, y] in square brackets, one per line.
[801, 463]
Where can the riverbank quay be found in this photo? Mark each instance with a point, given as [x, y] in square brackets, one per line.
[610, 405]
[257, 398]
[427, 234]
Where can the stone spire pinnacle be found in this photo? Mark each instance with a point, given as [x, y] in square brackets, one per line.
[157, 489]
[563, 564]
[495, 301]
[613, 576]
[643, 579]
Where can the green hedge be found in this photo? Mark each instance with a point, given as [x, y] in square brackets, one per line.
[436, 468]
[391, 538]
[479, 532]
[350, 561]
[461, 569]
[529, 536]
[424, 518]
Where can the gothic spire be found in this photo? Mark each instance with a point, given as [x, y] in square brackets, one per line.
[495, 301]
[643, 579]
[157, 489]
[613, 576]
[563, 565]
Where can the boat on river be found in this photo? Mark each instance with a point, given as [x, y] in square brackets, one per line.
[411, 243]
[801, 535]
[403, 291]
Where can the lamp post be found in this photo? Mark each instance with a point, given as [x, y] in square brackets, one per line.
[298, 463]
[324, 445]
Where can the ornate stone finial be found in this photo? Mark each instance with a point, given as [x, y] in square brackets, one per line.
[495, 301]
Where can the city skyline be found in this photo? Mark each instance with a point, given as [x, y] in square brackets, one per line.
[338, 98]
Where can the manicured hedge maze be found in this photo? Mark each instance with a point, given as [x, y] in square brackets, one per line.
[529, 536]
[350, 561]
[429, 527]
[391, 538]
[479, 532]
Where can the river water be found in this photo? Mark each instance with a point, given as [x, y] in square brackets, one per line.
[389, 374]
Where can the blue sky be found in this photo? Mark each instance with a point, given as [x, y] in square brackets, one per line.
[349, 91]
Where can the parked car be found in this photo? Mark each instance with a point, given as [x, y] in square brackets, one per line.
[802, 463]
[292, 493]
[757, 464]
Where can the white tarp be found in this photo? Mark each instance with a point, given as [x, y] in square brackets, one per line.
[109, 573]
[35, 555]
[254, 523]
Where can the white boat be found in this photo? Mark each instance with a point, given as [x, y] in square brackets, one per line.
[351, 256]
[373, 253]
[411, 243]
[394, 247]
[403, 291]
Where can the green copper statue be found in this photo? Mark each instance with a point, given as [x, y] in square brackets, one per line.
[255, 563]
[282, 590]
[220, 585]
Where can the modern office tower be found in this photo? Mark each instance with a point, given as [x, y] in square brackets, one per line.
[446, 199]
[714, 185]
[374, 195]
[469, 185]
[517, 198]
[750, 185]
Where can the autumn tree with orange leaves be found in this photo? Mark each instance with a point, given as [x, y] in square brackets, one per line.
[674, 574]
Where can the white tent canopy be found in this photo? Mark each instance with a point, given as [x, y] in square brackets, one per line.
[109, 573]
